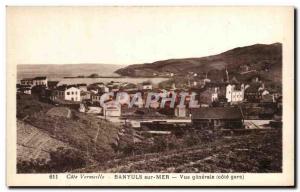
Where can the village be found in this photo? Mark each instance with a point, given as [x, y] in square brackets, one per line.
[208, 121]
[228, 104]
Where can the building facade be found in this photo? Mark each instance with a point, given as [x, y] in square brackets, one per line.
[68, 94]
[233, 94]
[145, 86]
[35, 81]
[217, 118]
[112, 109]
[40, 81]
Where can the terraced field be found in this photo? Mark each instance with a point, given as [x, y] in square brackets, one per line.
[85, 132]
[33, 143]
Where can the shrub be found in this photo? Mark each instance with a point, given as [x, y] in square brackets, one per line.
[63, 160]
[33, 166]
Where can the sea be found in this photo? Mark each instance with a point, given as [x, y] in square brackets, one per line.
[55, 72]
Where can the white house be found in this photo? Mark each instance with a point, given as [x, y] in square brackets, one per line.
[72, 94]
[265, 92]
[96, 97]
[215, 95]
[112, 109]
[69, 94]
[35, 81]
[25, 90]
[195, 83]
[145, 86]
[40, 81]
[234, 95]
[27, 81]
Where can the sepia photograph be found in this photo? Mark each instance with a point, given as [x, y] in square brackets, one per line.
[129, 91]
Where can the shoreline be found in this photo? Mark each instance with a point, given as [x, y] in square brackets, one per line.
[119, 77]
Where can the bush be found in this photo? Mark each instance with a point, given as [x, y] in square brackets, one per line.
[200, 137]
[163, 143]
[159, 144]
[128, 149]
[190, 140]
[61, 160]
[33, 166]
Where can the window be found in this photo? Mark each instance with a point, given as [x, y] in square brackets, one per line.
[68, 93]
[72, 93]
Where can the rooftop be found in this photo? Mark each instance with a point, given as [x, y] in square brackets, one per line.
[217, 113]
[253, 88]
[40, 78]
[27, 79]
[65, 87]
[52, 83]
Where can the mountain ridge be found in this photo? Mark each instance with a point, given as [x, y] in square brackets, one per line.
[264, 58]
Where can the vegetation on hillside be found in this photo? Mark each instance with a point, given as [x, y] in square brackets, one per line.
[266, 60]
[254, 151]
[86, 133]
[61, 160]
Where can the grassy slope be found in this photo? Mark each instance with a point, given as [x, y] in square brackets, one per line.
[254, 152]
[82, 131]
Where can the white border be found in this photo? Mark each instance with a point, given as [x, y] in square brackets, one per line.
[100, 2]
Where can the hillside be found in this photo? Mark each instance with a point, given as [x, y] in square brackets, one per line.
[265, 59]
[34, 143]
[245, 153]
[45, 129]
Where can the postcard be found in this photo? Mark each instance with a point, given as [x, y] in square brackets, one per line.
[150, 96]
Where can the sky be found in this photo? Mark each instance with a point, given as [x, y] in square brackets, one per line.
[131, 35]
